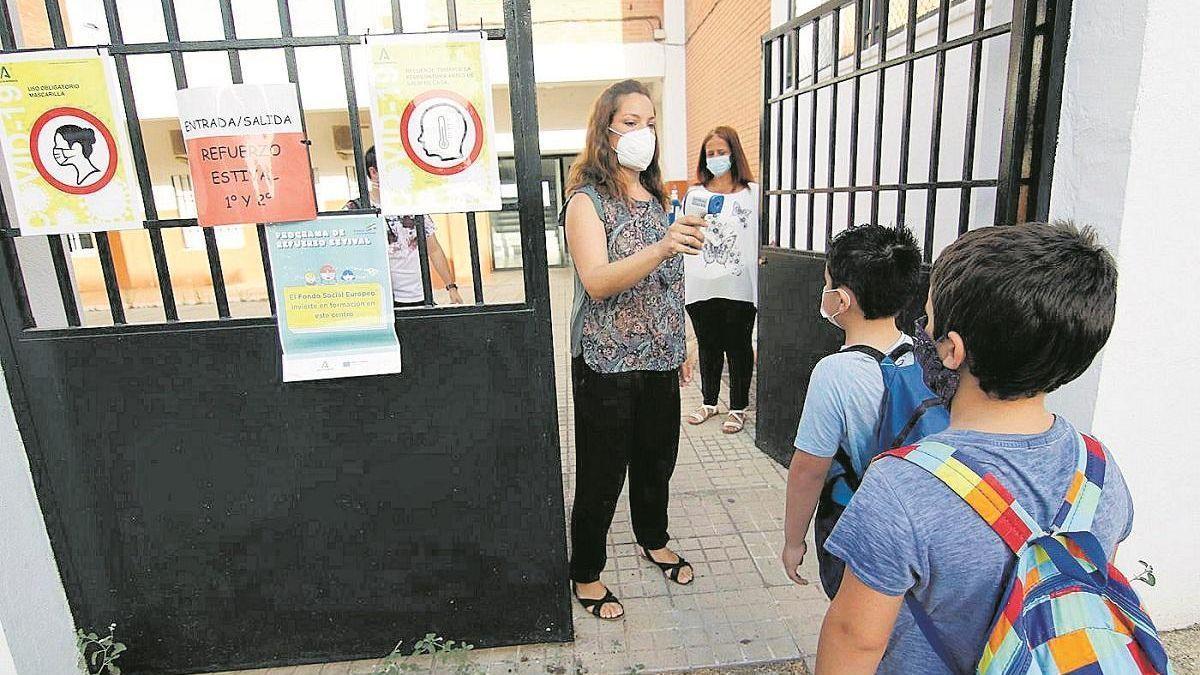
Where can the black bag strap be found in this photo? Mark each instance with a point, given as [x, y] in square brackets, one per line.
[868, 350]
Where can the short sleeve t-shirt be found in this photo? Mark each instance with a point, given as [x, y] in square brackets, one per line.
[905, 530]
[404, 258]
[727, 266]
[841, 409]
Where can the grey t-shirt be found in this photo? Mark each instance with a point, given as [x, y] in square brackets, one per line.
[904, 530]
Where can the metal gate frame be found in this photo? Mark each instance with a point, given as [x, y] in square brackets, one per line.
[794, 338]
[59, 397]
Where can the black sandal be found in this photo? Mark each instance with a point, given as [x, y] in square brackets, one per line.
[671, 570]
[593, 606]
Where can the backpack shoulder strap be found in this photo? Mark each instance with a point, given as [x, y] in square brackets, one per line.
[1078, 509]
[899, 352]
[995, 504]
[868, 350]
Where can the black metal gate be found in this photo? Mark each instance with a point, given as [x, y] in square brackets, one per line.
[940, 115]
[224, 520]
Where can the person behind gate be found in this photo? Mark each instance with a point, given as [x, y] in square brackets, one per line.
[408, 289]
[627, 339]
[722, 282]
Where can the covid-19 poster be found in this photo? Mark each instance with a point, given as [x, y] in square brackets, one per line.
[247, 154]
[64, 145]
[333, 297]
[434, 128]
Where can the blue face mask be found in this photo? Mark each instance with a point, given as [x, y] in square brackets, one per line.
[719, 165]
[942, 381]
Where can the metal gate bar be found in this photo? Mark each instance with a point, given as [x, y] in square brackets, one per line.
[175, 47]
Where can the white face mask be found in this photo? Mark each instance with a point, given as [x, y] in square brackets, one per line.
[635, 150]
[719, 165]
[832, 318]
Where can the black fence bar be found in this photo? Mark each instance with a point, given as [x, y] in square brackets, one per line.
[108, 269]
[171, 23]
[764, 147]
[935, 135]
[58, 254]
[1016, 118]
[11, 258]
[138, 147]
[397, 17]
[476, 271]
[360, 166]
[1056, 55]
[968, 170]
[235, 74]
[812, 139]
[856, 107]
[13, 264]
[58, 33]
[835, 32]
[910, 46]
[881, 87]
[794, 40]
[779, 149]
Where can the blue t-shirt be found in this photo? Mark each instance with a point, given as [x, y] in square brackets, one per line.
[841, 409]
[932, 542]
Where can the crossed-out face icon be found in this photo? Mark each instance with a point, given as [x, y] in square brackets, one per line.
[443, 132]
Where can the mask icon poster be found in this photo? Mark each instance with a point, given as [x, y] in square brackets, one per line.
[333, 297]
[434, 127]
[64, 144]
[247, 154]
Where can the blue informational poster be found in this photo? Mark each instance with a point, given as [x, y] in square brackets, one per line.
[333, 297]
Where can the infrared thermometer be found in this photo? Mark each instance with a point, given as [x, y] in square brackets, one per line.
[705, 206]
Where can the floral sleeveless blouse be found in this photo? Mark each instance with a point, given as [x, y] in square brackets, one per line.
[641, 328]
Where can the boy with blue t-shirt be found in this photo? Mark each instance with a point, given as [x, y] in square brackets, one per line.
[1013, 313]
[871, 275]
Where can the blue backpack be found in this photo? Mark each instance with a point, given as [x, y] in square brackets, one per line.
[908, 412]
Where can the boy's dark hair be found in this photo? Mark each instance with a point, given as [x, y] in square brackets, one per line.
[1033, 303]
[881, 265]
[369, 158]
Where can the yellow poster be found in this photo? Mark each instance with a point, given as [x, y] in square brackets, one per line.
[431, 112]
[64, 147]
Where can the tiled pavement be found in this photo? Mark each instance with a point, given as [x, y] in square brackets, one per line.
[726, 518]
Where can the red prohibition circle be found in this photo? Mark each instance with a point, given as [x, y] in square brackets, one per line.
[408, 148]
[35, 152]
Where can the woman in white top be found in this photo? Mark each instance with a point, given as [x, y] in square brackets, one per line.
[722, 282]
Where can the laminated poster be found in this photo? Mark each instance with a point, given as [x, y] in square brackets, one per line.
[64, 146]
[247, 154]
[333, 297]
[434, 127]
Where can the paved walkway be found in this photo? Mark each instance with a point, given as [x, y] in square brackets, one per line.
[726, 517]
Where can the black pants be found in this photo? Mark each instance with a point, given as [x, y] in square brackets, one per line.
[723, 330]
[623, 422]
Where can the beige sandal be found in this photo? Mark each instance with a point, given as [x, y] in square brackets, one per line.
[735, 422]
[703, 414]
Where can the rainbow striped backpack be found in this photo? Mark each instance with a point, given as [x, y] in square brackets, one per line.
[1066, 610]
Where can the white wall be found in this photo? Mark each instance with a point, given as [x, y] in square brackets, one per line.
[1133, 170]
[34, 617]
[673, 116]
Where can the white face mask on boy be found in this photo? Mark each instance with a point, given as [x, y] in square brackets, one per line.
[831, 317]
[635, 150]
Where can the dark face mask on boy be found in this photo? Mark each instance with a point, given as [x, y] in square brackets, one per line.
[942, 381]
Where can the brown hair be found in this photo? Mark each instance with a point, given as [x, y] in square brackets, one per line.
[742, 175]
[597, 165]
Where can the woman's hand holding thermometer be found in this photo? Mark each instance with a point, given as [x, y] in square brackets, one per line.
[686, 236]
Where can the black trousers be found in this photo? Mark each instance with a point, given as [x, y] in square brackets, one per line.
[723, 330]
[624, 422]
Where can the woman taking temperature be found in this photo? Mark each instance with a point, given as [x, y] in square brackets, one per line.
[722, 282]
[627, 339]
